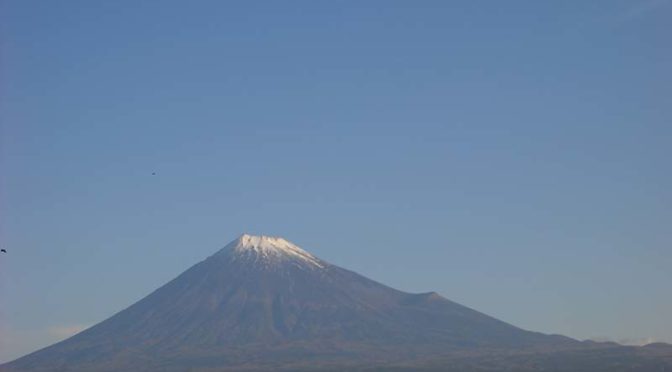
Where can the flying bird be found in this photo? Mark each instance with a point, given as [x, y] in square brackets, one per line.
[153, 173]
[3, 250]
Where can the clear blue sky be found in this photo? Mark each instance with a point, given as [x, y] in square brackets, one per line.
[512, 156]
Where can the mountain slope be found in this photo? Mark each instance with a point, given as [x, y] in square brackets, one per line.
[264, 302]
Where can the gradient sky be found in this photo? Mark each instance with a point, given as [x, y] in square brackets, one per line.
[512, 156]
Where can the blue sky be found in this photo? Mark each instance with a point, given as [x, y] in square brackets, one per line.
[512, 156]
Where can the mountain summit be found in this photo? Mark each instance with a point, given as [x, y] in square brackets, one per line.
[264, 303]
[268, 251]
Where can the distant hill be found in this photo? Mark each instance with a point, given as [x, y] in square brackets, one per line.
[263, 303]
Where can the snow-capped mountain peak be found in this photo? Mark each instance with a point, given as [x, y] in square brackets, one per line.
[269, 250]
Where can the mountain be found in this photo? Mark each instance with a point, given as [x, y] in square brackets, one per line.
[263, 303]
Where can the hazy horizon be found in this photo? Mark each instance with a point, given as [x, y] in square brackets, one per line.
[513, 158]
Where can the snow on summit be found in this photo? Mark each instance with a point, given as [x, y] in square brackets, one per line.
[270, 249]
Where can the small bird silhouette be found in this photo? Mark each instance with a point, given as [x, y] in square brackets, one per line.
[3, 250]
[153, 173]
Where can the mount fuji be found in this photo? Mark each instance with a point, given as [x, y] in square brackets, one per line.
[263, 303]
